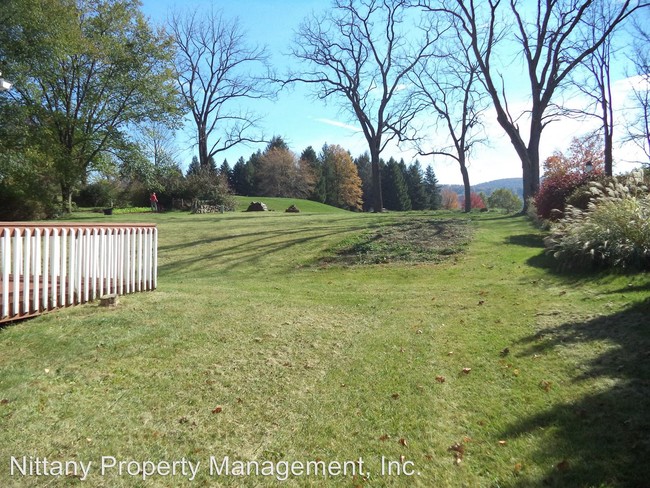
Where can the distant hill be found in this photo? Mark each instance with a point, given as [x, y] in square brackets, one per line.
[514, 184]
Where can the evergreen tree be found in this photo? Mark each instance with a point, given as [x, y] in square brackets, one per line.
[252, 168]
[365, 173]
[276, 142]
[226, 172]
[432, 189]
[416, 189]
[212, 166]
[242, 183]
[310, 157]
[394, 187]
[194, 167]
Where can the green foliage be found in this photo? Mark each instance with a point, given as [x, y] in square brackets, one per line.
[432, 189]
[364, 169]
[394, 189]
[28, 190]
[614, 229]
[92, 69]
[206, 185]
[505, 199]
[101, 193]
[416, 187]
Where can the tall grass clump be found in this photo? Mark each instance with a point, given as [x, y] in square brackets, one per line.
[613, 231]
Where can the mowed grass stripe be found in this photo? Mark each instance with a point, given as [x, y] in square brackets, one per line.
[309, 361]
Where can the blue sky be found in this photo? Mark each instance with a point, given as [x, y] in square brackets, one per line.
[303, 121]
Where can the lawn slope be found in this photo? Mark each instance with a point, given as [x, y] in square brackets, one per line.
[485, 369]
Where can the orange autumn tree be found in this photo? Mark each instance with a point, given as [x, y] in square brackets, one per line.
[343, 181]
[449, 199]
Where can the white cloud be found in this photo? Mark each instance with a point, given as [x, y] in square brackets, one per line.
[336, 123]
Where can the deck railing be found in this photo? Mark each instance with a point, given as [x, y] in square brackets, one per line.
[43, 267]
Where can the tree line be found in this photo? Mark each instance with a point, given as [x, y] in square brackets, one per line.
[94, 89]
[332, 177]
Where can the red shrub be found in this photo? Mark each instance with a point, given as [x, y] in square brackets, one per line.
[475, 200]
[550, 201]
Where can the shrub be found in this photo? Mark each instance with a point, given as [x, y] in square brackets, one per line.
[550, 201]
[614, 229]
[475, 201]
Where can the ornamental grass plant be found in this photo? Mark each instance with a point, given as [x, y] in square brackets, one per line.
[613, 231]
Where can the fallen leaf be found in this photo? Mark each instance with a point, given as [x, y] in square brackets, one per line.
[384, 437]
[402, 458]
[516, 372]
[4, 401]
[517, 468]
[450, 353]
[467, 370]
[481, 302]
[403, 442]
[504, 352]
[503, 443]
[395, 396]
[440, 379]
[239, 400]
[562, 465]
[545, 385]
[217, 409]
[459, 451]
[428, 457]
[467, 439]
[47, 370]
[419, 331]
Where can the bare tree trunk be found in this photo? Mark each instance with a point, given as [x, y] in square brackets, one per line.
[468, 188]
[377, 198]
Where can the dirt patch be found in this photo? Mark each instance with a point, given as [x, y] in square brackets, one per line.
[412, 240]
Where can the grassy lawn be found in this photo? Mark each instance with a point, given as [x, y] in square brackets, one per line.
[485, 368]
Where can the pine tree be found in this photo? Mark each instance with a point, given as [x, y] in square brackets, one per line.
[226, 172]
[252, 167]
[432, 189]
[394, 188]
[241, 181]
[416, 189]
[194, 167]
[365, 173]
[276, 142]
[212, 166]
[310, 157]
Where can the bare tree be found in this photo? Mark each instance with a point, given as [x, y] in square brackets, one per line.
[157, 141]
[216, 73]
[639, 127]
[549, 35]
[449, 85]
[595, 80]
[360, 52]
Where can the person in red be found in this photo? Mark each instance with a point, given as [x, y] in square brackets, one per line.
[154, 202]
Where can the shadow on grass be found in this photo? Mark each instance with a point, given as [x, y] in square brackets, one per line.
[250, 247]
[603, 439]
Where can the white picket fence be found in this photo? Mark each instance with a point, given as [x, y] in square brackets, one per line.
[43, 267]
